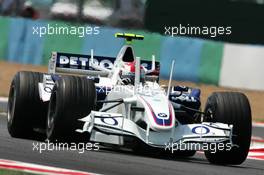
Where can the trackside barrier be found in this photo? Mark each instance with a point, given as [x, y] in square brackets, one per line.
[196, 60]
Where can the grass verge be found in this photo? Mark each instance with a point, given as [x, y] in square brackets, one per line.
[12, 172]
[258, 119]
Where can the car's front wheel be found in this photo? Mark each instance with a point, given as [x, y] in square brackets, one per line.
[231, 108]
[25, 109]
[72, 98]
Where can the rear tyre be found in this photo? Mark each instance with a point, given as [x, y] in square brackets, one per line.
[231, 108]
[25, 109]
[72, 98]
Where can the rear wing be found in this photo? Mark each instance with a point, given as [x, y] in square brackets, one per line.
[78, 64]
[81, 64]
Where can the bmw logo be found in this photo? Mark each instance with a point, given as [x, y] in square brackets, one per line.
[162, 115]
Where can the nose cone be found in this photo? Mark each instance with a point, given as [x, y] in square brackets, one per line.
[159, 112]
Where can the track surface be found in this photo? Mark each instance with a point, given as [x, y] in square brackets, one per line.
[258, 132]
[116, 162]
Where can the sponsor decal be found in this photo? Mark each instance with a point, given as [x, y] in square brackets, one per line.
[200, 130]
[48, 84]
[76, 61]
[162, 115]
[109, 121]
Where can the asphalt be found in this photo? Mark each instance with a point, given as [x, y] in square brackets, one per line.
[107, 161]
[3, 104]
[258, 132]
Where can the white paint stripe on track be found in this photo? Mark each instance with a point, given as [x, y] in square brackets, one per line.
[40, 169]
[258, 124]
[254, 158]
[256, 154]
[3, 99]
[256, 138]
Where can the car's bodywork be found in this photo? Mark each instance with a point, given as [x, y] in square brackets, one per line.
[143, 110]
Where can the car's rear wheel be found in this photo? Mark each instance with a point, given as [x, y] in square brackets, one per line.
[231, 108]
[25, 109]
[72, 98]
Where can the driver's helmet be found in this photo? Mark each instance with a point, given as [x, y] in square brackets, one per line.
[128, 73]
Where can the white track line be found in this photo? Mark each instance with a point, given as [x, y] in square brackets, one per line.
[258, 124]
[3, 99]
[257, 154]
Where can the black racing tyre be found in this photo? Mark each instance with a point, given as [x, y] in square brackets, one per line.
[25, 109]
[231, 108]
[72, 98]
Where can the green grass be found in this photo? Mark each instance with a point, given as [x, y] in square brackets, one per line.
[11, 172]
[3, 94]
[258, 119]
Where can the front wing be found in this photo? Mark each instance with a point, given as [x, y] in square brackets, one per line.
[110, 128]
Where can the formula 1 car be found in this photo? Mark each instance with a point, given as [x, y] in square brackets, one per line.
[118, 101]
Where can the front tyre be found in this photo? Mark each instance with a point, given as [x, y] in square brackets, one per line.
[25, 109]
[231, 108]
[72, 98]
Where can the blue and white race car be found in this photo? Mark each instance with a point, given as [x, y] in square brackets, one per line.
[118, 101]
